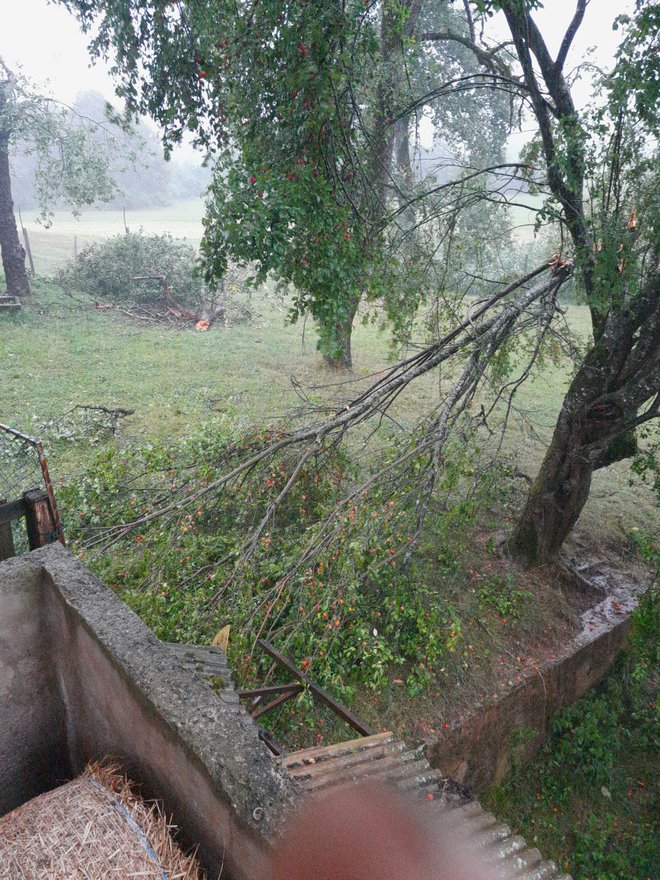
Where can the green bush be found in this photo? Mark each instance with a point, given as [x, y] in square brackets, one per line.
[106, 270]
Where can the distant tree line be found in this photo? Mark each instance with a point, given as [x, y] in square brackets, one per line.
[143, 177]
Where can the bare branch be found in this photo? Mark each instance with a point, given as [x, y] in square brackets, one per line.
[487, 57]
[571, 31]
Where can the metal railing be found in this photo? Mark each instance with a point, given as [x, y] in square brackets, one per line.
[26, 491]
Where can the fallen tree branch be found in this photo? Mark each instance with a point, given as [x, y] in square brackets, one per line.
[473, 331]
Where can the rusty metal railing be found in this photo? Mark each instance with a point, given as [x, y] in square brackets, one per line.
[23, 471]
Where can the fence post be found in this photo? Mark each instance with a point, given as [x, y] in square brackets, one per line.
[26, 239]
[28, 250]
[39, 520]
[7, 549]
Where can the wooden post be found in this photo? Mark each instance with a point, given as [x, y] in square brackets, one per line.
[28, 249]
[39, 520]
[7, 549]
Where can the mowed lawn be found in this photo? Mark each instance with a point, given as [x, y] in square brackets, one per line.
[58, 353]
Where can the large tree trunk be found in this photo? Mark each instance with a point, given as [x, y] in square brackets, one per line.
[582, 437]
[336, 340]
[13, 255]
[618, 377]
[557, 495]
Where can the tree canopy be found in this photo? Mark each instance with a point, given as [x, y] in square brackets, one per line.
[310, 109]
[70, 164]
[309, 106]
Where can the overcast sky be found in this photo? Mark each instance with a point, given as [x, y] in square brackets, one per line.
[46, 41]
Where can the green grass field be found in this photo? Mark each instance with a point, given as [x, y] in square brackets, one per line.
[58, 353]
[54, 246]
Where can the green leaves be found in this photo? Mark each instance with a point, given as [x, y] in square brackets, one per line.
[108, 269]
[72, 165]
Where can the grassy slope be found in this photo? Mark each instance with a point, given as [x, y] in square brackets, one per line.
[59, 352]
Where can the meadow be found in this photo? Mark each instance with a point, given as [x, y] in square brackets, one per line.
[59, 352]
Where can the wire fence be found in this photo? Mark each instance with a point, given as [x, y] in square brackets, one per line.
[23, 467]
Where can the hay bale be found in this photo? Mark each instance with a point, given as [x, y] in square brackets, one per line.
[94, 828]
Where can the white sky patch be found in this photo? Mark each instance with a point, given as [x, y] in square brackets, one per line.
[46, 41]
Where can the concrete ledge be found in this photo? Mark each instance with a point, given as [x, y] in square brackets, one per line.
[110, 687]
[481, 749]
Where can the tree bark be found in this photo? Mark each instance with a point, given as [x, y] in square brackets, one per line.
[620, 374]
[336, 336]
[337, 340]
[559, 492]
[13, 254]
[595, 428]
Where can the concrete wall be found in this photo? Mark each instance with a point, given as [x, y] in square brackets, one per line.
[102, 684]
[481, 749]
[33, 747]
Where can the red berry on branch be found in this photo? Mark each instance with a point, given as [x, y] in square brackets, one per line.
[253, 180]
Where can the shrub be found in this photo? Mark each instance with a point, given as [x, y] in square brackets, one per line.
[589, 800]
[106, 270]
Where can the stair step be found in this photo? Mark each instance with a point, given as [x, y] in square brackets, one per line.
[305, 757]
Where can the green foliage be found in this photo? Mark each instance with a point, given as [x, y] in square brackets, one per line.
[646, 464]
[645, 648]
[500, 594]
[588, 801]
[107, 269]
[72, 159]
[298, 103]
[636, 78]
[352, 615]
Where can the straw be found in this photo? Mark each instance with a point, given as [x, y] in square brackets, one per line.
[94, 828]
